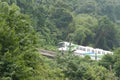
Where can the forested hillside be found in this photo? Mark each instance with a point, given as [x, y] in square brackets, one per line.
[27, 25]
[87, 22]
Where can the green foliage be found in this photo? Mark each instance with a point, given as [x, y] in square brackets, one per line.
[19, 58]
[116, 59]
[107, 61]
[106, 34]
[84, 26]
[16, 40]
[111, 62]
[78, 21]
[76, 68]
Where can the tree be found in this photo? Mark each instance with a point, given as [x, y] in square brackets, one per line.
[73, 67]
[83, 36]
[101, 73]
[116, 59]
[84, 26]
[106, 34]
[19, 58]
[77, 68]
[107, 61]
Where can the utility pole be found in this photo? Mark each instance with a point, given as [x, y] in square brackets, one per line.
[110, 67]
[95, 56]
[62, 51]
[70, 47]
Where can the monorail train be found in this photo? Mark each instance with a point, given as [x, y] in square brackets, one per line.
[66, 46]
[94, 53]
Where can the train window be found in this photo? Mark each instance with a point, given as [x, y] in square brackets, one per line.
[103, 52]
[88, 50]
[98, 52]
[61, 45]
[80, 48]
[84, 49]
[77, 47]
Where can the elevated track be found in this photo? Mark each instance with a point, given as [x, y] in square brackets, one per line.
[49, 54]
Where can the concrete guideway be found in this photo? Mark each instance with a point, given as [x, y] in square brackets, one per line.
[47, 53]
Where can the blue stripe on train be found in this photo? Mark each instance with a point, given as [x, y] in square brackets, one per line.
[89, 53]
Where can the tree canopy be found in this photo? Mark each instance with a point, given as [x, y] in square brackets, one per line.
[28, 25]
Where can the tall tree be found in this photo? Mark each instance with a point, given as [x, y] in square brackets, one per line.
[106, 34]
[19, 58]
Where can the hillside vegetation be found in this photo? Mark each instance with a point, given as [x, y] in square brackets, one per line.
[26, 25]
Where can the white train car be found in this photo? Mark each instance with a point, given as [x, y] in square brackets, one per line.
[63, 46]
[94, 53]
[83, 51]
[66, 46]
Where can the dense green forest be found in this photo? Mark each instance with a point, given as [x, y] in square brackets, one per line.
[87, 22]
[28, 25]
